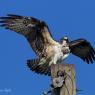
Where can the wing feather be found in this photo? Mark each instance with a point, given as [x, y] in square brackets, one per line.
[36, 31]
[83, 49]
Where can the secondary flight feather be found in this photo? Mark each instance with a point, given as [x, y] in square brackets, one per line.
[48, 50]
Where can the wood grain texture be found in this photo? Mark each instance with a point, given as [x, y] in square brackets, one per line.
[69, 84]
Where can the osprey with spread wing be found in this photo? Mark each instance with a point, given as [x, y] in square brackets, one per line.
[48, 50]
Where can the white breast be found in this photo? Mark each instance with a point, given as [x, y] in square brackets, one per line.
[58, 54]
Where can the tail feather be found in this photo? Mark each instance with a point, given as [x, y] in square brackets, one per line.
[47, 71]
[45, 68]
[40, 69]
[32, 64]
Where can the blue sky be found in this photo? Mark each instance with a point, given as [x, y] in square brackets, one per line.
[72, 18]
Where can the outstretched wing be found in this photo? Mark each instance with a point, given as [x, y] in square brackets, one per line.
[83, 49]
[36, 31]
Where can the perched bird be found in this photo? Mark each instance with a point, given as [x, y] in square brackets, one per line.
[48, 50]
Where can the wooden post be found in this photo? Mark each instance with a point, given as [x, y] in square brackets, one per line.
[63, 79]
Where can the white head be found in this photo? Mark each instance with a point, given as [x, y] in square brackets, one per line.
[65, 45]
[64, 39]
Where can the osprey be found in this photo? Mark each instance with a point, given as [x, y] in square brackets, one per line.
[48, 50]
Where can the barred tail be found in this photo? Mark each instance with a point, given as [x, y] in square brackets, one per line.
[39, 69]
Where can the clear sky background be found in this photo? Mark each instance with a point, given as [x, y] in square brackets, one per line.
[72, 18]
